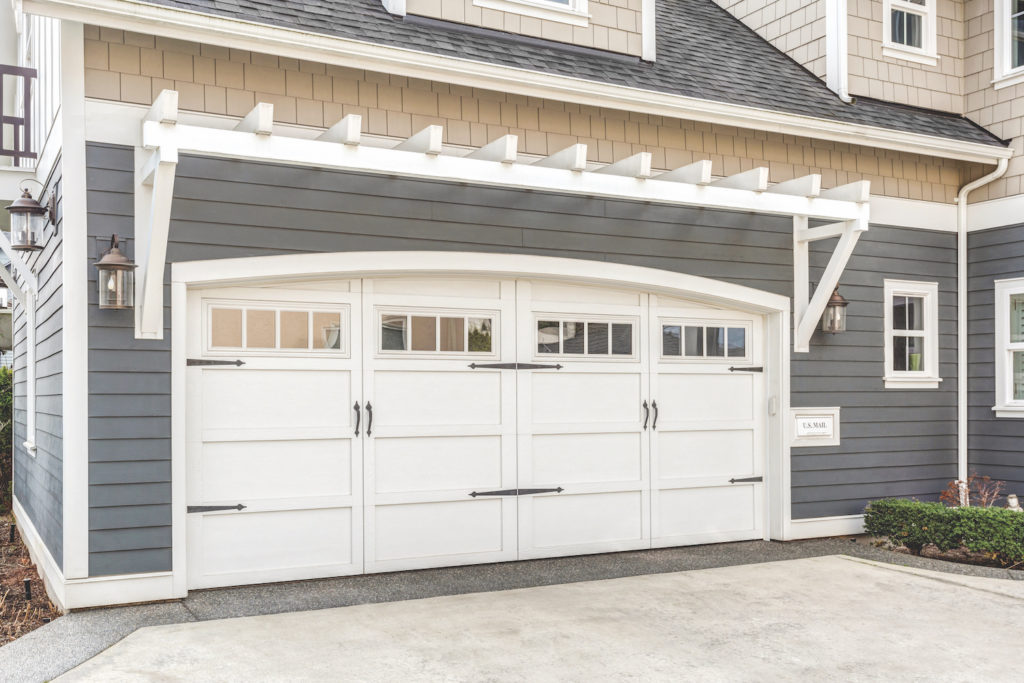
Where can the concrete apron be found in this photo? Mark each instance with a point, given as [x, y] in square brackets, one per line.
[824, 618]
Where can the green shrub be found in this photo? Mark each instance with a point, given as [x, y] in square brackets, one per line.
[993, 530]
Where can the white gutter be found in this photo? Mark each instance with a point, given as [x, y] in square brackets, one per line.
[836, 50]
[244, 35]
[961, 312]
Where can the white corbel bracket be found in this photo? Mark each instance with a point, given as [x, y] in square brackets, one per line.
[808, 309]
[154, 188]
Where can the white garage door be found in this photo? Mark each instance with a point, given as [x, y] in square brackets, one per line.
[401, 423]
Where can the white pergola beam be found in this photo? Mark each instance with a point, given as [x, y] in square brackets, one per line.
[427, 141]
[348, 131]
[165, 108]
[809, 312]
[697, 173]
[154, 189]
[260, 120]
[572, 158]
[859, 191]
[756, 180]
[503, 150]
[822, 232]
[636, 166]
[806, 186]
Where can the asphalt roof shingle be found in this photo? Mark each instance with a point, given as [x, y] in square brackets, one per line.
[702, 52]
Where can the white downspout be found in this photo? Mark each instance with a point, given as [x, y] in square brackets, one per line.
[961, 312]
[836, 50]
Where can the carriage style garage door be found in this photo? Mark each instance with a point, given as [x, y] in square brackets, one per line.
[397, 423]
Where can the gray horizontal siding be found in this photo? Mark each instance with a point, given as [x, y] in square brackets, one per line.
[38, 480]
[995, 445]
[894, 442]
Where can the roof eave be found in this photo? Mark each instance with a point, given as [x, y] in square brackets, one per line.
[254, 36]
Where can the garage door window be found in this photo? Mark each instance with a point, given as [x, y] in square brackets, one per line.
[686, 340]
[274, 329]
[585, 337]
[444, 333]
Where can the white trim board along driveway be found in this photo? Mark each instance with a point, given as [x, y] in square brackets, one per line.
[825, 618]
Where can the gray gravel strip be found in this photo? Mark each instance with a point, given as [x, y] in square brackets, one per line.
[72, 639]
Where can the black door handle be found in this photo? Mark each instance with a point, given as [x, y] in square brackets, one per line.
[654, 425]
[359, 416]
[369, 419]
[647, 413]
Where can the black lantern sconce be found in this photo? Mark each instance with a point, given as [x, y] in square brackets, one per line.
[834, 320]
[29, 220]
[116, 278]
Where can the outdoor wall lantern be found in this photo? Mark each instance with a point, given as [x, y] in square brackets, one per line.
[834, 320]
[116, 278]
[28, 221]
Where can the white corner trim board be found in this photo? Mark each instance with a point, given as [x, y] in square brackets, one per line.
[821, 527]
[49, 572]
[193, 26]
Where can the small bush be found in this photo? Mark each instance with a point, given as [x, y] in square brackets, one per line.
[997, 532]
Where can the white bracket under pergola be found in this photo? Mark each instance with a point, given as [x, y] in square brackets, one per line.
[843, 211]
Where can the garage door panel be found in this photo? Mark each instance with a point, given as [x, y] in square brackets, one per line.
[705, 453]
[565, 520]
[244, 399]
[591, 398]
[710, 510]
[691, 397]
[248, 471]
[437, 463]
[407, 532]
[586, 458]
[433, 398]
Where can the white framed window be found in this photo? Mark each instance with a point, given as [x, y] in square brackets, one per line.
[911, 335]
[257, 328]
[1009, 348]
[908, 30]
[434, 332]
[1008, 61]
[592, 338]
[705, 340]
[573, 12]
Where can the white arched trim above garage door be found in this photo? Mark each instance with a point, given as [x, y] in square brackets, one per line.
[305, 267]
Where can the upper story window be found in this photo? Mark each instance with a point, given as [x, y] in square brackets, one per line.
[1009, 348]
[911, 335]
[574, 12]
[909, 30]
[1008, 64]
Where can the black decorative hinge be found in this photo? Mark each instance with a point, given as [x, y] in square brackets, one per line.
[201, 361]
[514, 366]
[214, 508]
[746, 480]
[515, 492]
[749, 369]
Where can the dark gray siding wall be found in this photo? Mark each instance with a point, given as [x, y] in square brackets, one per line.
[894, 442]
[995, 445]
[38, 480]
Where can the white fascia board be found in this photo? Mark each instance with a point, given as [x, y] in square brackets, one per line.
[913, 213]
[193, 26]
[995, 213]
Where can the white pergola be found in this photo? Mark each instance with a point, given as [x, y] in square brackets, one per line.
[844, 209]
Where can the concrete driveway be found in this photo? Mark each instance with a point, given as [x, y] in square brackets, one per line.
[815, 619]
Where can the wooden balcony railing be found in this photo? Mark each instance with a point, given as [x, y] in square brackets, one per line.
[19, 143]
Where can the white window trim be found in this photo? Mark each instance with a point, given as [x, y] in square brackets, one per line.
[1002, 75]
[1005, 405]
[575, 13]
[926, 54]
[928, 378]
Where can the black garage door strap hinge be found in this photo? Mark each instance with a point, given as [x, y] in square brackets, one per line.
[513, 366]
[515, 492]
[200, 361]
[749, 369]
[746, 480]
[214, 508]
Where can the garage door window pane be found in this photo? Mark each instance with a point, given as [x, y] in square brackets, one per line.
[671, 340]
[597, 339]
[694, 342]
[327, 330]
[453, 333]
[226, 327]
[572, 337]
[622, 339]
[547, 336]
[480, 335]
[737, 342]
[715, 341]
[392, 333]
[294, 330]
[260, 329]
[424, 333]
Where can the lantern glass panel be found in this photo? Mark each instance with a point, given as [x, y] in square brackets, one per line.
[27, 230]
[117, 288]
[834, 320]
